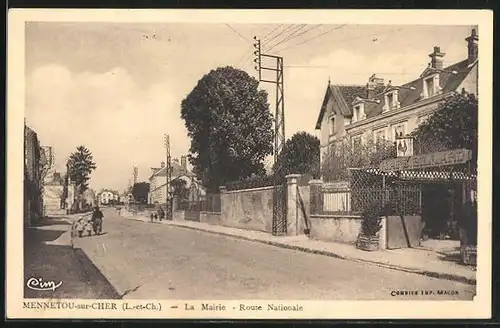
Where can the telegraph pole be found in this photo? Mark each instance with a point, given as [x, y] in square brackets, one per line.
[279, 225]
[168, 174]
[136, 173]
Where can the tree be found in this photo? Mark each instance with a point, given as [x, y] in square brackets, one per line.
[452, 126]
[301, 155]
[230, 126]
[180, 189]
[80, 165]
[140, 191]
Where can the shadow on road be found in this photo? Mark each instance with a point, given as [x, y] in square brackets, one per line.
[51, 222]
[94, 236]
[48, 255]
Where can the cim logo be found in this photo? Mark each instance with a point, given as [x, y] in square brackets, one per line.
[40, 285]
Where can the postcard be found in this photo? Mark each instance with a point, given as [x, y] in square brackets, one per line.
[249, 164]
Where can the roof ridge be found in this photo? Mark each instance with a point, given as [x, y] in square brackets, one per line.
[349, 85]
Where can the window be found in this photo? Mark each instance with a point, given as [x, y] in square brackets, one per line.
[398, 130]
[390, 101]
[379, 135]
[358, 113]
[429, 87]
[332, 124]
[356, 143]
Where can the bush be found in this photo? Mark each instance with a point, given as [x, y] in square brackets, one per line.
[371, 224]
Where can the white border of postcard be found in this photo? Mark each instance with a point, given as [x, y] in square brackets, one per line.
[480, 307]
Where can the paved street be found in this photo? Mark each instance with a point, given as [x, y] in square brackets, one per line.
[156, 261]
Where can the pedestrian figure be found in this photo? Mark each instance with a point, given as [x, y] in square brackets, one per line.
[161, 213]
[97, 217]
[156, 216]
[151, 216]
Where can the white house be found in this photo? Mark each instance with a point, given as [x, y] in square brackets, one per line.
[158, 180]
[106, 196]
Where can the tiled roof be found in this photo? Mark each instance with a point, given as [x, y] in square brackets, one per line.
[448, 82]
[348, 93]
[345, 94]
[177, 170]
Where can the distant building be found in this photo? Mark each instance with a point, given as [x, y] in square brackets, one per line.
[107, 196]
[54, 194]
[158, 181]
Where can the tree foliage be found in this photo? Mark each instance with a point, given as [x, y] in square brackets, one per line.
[342, 155]
[180, 189]
[452, 126]
[301, 155]
[80, 165]
[230, 126]
[140, 191]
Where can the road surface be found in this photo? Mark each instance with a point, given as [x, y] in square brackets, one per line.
[156, 261]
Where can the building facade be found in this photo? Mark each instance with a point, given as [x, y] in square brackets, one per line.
[53, 194]
[158, 181]
[33, 161]
[382, 111]
[106, 197]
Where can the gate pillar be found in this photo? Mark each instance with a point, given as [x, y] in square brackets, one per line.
[292, 205]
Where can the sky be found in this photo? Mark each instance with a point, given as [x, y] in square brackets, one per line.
[117, 87]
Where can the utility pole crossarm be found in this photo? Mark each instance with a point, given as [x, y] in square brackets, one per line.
[279, 224]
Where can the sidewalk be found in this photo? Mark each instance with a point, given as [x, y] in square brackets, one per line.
[420, 261]
[49, 255]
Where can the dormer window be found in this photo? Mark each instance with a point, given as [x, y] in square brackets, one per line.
[391, 100]
[431, 86]
[358, 112]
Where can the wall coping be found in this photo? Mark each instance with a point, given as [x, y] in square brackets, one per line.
[336, 216]
[247, 190]
[208, 212]
[315, 181]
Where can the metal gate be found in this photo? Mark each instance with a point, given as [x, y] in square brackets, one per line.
[279, 226]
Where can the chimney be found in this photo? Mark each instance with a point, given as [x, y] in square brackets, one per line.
[184, 162]
[373, 83]
[437, 58]
[162, 165]
[472, 46]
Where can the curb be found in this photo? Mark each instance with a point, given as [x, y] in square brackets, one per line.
[431, 274]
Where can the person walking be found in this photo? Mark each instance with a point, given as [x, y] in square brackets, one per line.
[97, 218]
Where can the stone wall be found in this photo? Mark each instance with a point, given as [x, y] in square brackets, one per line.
[178, 215]
[250, 209]
[343, 229]
[213, 218]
